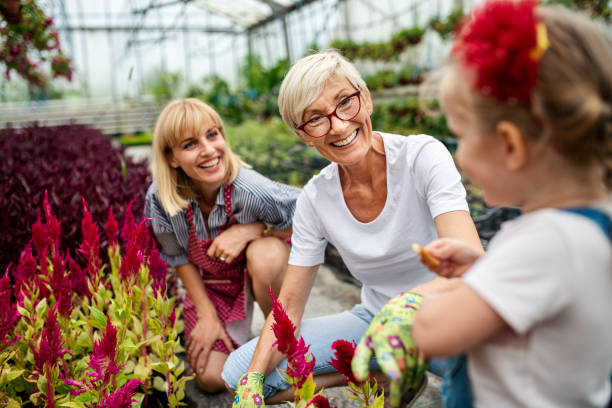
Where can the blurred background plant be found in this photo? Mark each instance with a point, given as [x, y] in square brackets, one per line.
[28, 42]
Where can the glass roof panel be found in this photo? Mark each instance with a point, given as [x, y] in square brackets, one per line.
[244, 12]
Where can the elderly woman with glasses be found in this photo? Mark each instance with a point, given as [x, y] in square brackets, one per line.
[381, 193]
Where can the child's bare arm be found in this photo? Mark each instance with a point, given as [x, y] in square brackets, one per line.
[454, 322]
[454, 257]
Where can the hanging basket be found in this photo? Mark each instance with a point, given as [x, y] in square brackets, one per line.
[11, 10]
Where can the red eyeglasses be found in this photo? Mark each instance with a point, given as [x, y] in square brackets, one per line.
[320, 125]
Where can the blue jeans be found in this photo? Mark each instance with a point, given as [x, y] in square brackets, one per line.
[320, 333]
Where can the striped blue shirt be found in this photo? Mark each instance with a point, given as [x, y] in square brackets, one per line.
[254, 198]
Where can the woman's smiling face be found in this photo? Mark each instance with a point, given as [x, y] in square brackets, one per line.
[348, 141]
[202, 157]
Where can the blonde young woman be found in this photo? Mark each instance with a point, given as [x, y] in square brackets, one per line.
[222, 225]
[381, 193]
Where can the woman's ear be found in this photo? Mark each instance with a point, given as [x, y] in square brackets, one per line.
[171, 160]
[515, 146]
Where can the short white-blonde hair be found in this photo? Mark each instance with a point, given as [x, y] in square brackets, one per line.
[306, 79]
[179, 118]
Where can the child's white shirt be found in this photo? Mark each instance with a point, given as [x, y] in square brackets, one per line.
[422, 183]
[548, 274]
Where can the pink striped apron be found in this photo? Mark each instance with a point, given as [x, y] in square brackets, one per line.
[226, 284]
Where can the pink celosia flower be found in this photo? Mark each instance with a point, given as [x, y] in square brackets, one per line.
[128, 222]
[172, 317]
[318, 401]
[141, 236]
[8, 311]
[123, 397]
[111, 227]
[344, 352]
[53, 225]
[90, 247]
[80, 385]
[157, 269]
[78, 278]
[102, 359]
[50, 344]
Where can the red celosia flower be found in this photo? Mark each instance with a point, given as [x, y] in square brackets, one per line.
[90, 247]
[111, 227]
[40, 237]
[132, 259]
[80, 385]
[78, 278]
[102, 359]
[318, 401]
[283, 328]
[128, 222]
[50, 344]
[123, 397]
[53, 225]
[141, 236]
[26, 269]
[172, 317]
[299, 367]
[344, 352]
[8, 310]
[62, 286]
[157, 269]
[497, 43]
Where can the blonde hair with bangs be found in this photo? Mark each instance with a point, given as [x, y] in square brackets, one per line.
[179, 118]
[306, 79]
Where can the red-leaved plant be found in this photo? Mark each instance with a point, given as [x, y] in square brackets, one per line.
[92, 335]
[300, 366]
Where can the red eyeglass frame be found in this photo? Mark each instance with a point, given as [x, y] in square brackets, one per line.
[329, 115]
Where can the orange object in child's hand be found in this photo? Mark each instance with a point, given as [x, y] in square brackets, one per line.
[427, 258]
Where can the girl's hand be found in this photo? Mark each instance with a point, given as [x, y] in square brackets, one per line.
[455, 256]
[230, 243]
[202, 339]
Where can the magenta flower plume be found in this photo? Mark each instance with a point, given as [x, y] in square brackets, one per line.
[78, 278]
[8, 311]
[53, 225]
[40, 237]
[172, 317]
[142, 237]
[299, 365]
[283, 328]
[62, 286]
[102, 359]
[26, 269]
[157, 269]
[318, 401]
[123, 397]
[128, 223]
[90, 247]
[50, 344]
[111, 227]
[344, 352]
[132, 259]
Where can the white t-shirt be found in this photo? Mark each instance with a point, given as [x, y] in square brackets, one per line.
[549, 276]
[422, 183]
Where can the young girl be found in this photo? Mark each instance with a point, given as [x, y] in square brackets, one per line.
[528, 93]
[222, 226]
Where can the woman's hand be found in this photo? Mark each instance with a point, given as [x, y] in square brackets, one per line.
[455, 256]
[230, 243]
[202, 339]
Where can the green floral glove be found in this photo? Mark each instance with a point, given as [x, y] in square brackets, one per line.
[249, 391]
[390, 337]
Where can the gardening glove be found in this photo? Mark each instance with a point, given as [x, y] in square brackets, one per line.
[249, 391]
[390, 337]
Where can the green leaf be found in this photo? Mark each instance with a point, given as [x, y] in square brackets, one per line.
[161, 367]
[72, 404]
[142, 371]
[11, 375]
[41, 307]
[98, 319]
[85, 397]
[159, 384]
[308, 388]
[13, 404]
[379, 402]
